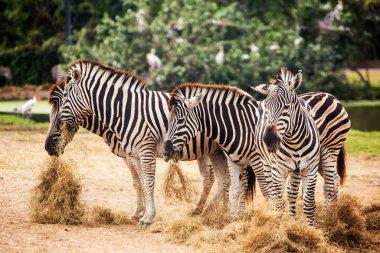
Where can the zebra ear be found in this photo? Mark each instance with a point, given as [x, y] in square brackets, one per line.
[296, 81]
[261, 88]
[76, 75]
[194, 101]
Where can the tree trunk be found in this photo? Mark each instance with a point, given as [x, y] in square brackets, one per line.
[366, 82]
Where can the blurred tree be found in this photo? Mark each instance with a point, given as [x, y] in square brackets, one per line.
[257, 37]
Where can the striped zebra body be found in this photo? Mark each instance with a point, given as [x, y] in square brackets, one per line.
[288, 142]
[333, 125]
[132, 120]
[228, 116]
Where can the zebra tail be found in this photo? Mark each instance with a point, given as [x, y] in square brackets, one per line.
[251, 188]
[341, 165]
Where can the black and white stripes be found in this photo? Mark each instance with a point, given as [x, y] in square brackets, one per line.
[228, 116]
[132, 120]
[288, 142]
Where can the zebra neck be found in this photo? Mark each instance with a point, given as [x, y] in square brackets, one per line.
[125, 109]
[302, 128]
[230, 125]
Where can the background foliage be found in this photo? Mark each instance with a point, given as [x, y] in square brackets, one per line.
[107, 31]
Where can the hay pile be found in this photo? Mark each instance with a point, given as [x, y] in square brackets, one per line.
[56, 198]
[176, 185]
[349, 225]
[346, 226]
[105, 216]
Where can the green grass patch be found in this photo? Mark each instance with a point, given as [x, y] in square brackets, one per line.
[13, 122]
[363, 143]
[361, 103]
[17, 123]
[41, 107]
[374, 76]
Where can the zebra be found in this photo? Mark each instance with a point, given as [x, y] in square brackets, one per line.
[133, 121]
[93, 125]
[228, 116]
[288, 142]
[333, 125]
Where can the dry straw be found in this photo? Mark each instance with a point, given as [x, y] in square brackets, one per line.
[56, 198]
[345, 226]
[345, 223]
[105, 216]
[176, 185]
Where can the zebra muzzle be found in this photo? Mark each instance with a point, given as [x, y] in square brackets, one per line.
[271, 138]
[51, 147]
[168, 150]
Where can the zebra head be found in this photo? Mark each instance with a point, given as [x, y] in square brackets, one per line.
[52, 142]
[68, 112]
[183, 123]
[279, 107]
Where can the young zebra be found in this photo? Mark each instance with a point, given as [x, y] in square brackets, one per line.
[132, 120]
[228, 116]
[333, 125]
[288, 141]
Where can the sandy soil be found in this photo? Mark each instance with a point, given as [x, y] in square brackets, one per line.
[107, 182]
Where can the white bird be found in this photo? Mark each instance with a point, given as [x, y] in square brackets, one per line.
[27, 107]
[153, 60]
[219, 57]
[245, 57]
[274, 47]
[254, 48]
[140, 20]
[298, 41]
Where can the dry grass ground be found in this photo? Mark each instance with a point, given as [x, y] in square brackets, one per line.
[106, 183]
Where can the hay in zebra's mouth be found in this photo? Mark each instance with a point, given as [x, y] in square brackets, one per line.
[65, 138]
[56, 197]
[176, 185]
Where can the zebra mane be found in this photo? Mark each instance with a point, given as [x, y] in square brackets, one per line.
[206, 87]
[109, 69]
[284, 75]
[59, 85]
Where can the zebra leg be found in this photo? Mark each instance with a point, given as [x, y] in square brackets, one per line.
[292, 191]
[264, 176]
[278, 187]
[205, 169]
[220, 167]
[243, 189]
[148, 169]
[309, 180]
[136, 172]
[236, 172]
[331, 179]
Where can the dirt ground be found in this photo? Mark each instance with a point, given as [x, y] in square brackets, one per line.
[107, 182]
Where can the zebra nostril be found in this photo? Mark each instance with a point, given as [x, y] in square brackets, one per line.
[168, 149]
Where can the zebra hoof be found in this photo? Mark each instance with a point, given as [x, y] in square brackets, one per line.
[138, 215]
[144, 224]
